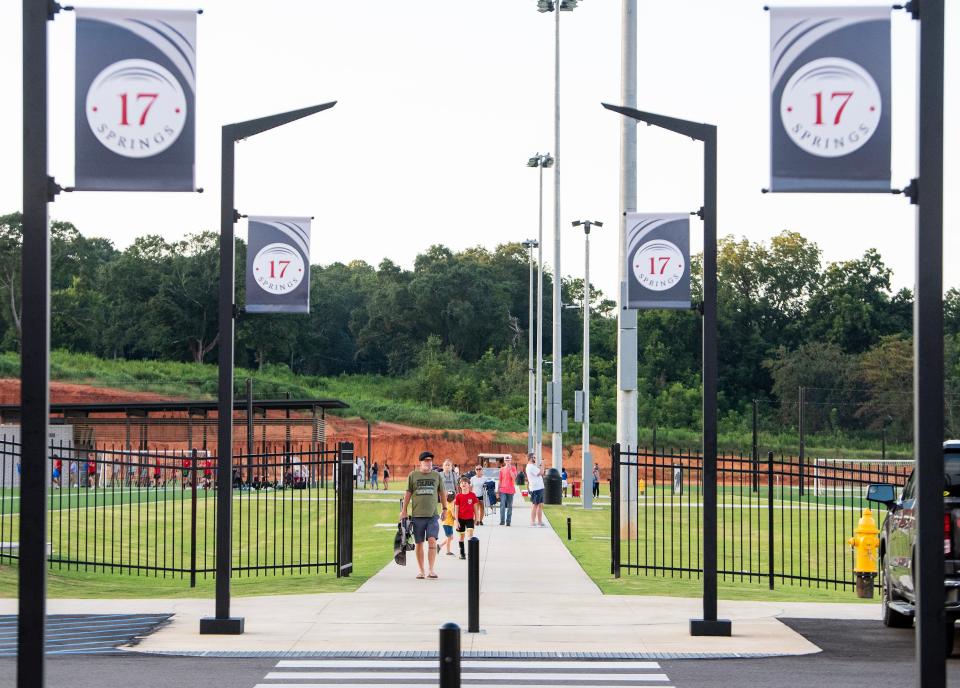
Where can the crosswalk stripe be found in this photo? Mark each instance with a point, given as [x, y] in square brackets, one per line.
[492, 676]
[502, 672]
[466, 664]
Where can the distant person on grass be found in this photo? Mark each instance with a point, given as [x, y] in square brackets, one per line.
[596, 480]
[386, 476]
[375, 476]
[466, 507]
[508, 487]
[535, 486]
[424, 492]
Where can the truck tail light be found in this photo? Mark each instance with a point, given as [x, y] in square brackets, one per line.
[946, 534]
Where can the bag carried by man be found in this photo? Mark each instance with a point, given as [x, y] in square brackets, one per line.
[403, 541]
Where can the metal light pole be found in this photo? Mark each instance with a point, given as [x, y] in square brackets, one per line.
[222, 622]
[556, 416]
[530, 244]
[627, 318]
[38, 191]
[707, 133]
[540, 161]
[587, 460]
[928, 364]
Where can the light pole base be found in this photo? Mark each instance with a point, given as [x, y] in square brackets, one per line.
[717, 627]
[213, 626]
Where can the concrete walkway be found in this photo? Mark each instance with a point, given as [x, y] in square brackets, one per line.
[534, 598]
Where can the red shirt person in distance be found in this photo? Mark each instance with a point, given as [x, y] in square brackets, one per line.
[508, 487]
[465, 504]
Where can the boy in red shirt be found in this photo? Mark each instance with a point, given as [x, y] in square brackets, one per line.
[466, 505]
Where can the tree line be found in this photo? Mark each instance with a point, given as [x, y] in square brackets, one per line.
[454, 327]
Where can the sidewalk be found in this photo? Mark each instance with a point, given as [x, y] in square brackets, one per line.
[534, 598]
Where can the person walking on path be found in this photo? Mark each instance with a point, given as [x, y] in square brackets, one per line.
[449, 521]
[466, 507]
[563, 477]
[596, 480]
[424, 492]
[375, 476]
[535, 486]
[449, 478]
[508, 487]
[477, 485]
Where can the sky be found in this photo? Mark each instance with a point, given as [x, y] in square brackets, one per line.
[441, 102]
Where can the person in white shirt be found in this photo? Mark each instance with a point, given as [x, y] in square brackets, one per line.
[476, 484]
[535, 486]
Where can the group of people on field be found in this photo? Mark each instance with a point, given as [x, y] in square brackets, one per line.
[457, 503]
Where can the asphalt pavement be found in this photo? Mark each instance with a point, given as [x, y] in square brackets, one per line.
[855, 654]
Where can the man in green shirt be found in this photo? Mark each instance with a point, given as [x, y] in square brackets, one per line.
[424, 492]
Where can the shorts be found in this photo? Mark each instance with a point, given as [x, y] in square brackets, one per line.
[564, 484]
[425, 528]
[465, 525]
[536, 496]
[56, 472]
[447, 530]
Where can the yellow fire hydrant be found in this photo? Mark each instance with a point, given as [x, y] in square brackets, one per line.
[865, 544]
[643, 486]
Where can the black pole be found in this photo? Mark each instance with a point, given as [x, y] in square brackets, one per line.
[928, 365]
[223, 623]
[369, 464]
[707, 133]
[709, 624]
[473, 585]
[449, 655]
[35, 351]
[569, 529]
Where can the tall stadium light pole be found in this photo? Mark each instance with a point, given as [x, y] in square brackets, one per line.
[222, 623]
[531, 244]
[587, 458]
[540, 161]
[627, 318]
[557, 396]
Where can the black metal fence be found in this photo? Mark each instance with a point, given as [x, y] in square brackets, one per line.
[153, 511]
[779, 519]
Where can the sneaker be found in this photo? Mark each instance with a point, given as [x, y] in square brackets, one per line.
[450, 554]
[463, 556]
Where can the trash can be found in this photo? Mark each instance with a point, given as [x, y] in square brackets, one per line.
[576, 488]
[552, 487]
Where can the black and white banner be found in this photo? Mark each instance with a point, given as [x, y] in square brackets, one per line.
[658, 260]
[135, 100]
[830, 99]
[278, 265]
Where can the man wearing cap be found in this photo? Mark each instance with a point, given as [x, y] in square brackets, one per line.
[424, 492]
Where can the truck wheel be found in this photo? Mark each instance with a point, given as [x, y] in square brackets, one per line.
[891, 617]
[948, 636]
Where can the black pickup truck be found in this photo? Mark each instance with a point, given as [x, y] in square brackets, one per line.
[898, 537]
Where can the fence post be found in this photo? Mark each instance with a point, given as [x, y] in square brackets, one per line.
[193, 518]
[756, 452]
[770, 514]
[473, 585]
[449, 655]
[344, 509]
[615, 511]
[249, 431]
[569, 529]
[803, 452]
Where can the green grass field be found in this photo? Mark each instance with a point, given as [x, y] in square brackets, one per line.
[302, 532]
[810, 536]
